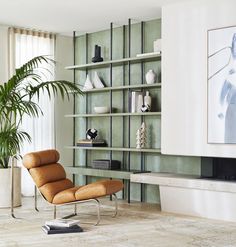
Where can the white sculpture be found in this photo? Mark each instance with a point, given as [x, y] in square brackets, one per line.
[96, 81]
[88, 84]
[141, 138]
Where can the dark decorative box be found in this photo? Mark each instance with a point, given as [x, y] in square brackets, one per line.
[106, 164]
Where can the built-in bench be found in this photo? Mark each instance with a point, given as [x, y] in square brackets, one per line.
[191, 195]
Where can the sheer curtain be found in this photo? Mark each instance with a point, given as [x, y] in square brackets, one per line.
[24, 45]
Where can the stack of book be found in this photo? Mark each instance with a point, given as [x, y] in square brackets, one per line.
[61, 226]
[91, 143]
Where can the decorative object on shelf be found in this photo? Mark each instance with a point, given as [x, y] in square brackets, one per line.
[97, 54]
[148, 101]
[91, 134]
[141, 138]
[88, 84]
[157, 45]
[150, 77]
[91, 143]
[106, 164]
[101, 109]
[145, 108]
[140, 103]
[96, 81]
[134, 101]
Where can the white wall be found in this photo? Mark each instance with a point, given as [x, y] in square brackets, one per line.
[3, 53]
[184, 75]
[64, 126]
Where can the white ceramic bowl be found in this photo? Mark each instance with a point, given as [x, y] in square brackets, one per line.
[101, 109]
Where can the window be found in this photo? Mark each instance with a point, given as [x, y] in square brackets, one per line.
[24, 45]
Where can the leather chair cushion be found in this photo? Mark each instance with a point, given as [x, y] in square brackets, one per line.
[49, 190]
[36, 159]
[98, 189]
[65, 196]
[46, 174]
[90, 191]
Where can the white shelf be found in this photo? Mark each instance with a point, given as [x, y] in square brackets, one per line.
[118, 149]
[115, 62]
[89, 171]
[115, 114]
[117, 88]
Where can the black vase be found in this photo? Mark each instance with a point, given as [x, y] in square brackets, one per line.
[97, 57]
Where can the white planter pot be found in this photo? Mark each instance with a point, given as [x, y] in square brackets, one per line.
[5, 187]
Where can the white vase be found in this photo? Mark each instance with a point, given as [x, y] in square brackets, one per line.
[5, 187]
[148, 100]
[150, 77]
[88, 84]
[96, 81]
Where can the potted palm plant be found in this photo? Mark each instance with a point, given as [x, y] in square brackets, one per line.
[18, 98]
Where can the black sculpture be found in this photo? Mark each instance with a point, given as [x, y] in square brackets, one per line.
[97, 57]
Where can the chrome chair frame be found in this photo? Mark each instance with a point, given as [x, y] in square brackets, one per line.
[98, 204]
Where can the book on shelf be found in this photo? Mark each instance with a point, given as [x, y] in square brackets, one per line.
[91, 143]
[58, 229]
[62, 222]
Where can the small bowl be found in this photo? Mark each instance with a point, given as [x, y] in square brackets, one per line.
[101, 109]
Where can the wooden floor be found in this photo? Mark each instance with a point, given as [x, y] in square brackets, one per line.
[136, 225]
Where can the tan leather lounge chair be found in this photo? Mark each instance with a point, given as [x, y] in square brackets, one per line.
[50, 178]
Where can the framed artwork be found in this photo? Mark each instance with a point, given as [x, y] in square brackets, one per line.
[222, 85]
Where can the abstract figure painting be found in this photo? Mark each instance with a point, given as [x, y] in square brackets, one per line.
[222, 85]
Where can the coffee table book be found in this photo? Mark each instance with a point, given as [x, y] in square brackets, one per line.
[57, 230]
[62, 222]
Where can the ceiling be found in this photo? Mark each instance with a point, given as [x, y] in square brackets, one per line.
[62, 16]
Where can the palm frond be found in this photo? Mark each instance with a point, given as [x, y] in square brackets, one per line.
[17, 99]
[59, 87]
[11, 140]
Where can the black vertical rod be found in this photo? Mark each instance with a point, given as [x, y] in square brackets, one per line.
[129, 80]
[86, 104]
[74, 45]
[111, 44]
[111, 38]
[142, 192]
[123, 107]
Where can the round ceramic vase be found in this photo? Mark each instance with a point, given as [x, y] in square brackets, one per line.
[150, 77]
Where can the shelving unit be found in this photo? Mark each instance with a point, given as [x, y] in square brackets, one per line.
[127, 117]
